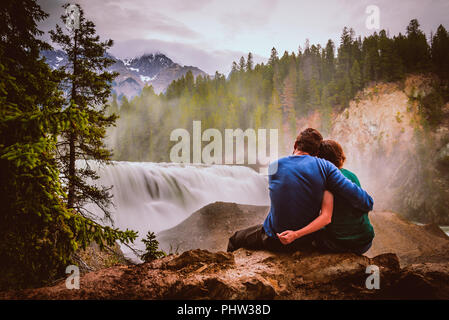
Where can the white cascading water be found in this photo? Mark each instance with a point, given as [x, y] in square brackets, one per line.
[158, 196]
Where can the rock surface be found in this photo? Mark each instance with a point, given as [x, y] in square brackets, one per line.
[416, 266]
[200, 274]
[210, 227]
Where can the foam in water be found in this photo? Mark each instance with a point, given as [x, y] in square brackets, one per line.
[158, 196]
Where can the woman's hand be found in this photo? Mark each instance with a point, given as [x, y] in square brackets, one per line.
[287, 237]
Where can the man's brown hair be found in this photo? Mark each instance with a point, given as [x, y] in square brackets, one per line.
[332, 151]
[309, 141]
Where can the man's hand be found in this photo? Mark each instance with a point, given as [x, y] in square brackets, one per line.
[287, 236]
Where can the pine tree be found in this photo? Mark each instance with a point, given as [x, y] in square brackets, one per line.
[390, 65]
[346, 94]
[152, 251]
[440, 52]
[189, 81]
[88, 87]
[235, 68]
[242, 64]
[114, 109]
[36, 239]
[315, 96]
[329, 61]
[417, 57]
[370, 59]
[356, 77]
[275, 119]
[302, 94]
[249, 62]
[273, 57]
[345, 51]
[288, 100]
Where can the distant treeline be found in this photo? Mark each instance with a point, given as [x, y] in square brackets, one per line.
[276, 94]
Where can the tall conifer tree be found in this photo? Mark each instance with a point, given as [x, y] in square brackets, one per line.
[88, 86]
[36, 239]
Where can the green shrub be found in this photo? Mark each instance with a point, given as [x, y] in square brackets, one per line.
[152, 251]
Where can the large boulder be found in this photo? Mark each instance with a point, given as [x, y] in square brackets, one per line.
[210, 227]
[411, 242]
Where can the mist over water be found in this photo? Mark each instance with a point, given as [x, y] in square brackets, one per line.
[158, 196]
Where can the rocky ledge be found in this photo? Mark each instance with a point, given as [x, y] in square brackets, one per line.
[200, 274]
[412, 262]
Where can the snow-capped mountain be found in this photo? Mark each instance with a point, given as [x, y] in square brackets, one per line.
[154, 69]
[149, 65]
[55, 59]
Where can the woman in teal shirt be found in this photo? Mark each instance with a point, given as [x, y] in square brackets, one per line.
[340, 227]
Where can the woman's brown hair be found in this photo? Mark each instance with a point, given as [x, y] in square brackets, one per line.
[332, 151]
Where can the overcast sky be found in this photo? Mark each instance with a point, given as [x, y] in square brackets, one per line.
[210, 34]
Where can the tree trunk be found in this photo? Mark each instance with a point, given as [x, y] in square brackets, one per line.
[72, 172]
[72, 138]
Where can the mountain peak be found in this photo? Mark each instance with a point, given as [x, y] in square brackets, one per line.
[151, 58]
[151, 68]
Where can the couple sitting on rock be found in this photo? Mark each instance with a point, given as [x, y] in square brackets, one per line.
[315, 203]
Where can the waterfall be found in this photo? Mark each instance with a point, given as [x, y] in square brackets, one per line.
[158, 196]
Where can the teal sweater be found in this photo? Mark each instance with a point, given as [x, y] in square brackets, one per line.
[350, 227]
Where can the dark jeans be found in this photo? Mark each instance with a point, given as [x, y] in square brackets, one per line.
[325, 245]
[255, 238]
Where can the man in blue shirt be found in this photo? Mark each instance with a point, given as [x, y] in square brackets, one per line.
[297, 184]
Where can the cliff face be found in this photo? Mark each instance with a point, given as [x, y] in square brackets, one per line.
[412, 261]
[377, 135]
[396, 156]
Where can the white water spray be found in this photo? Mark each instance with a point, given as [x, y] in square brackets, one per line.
[158, 196]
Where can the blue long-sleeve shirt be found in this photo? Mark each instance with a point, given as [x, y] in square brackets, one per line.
[297, 184]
